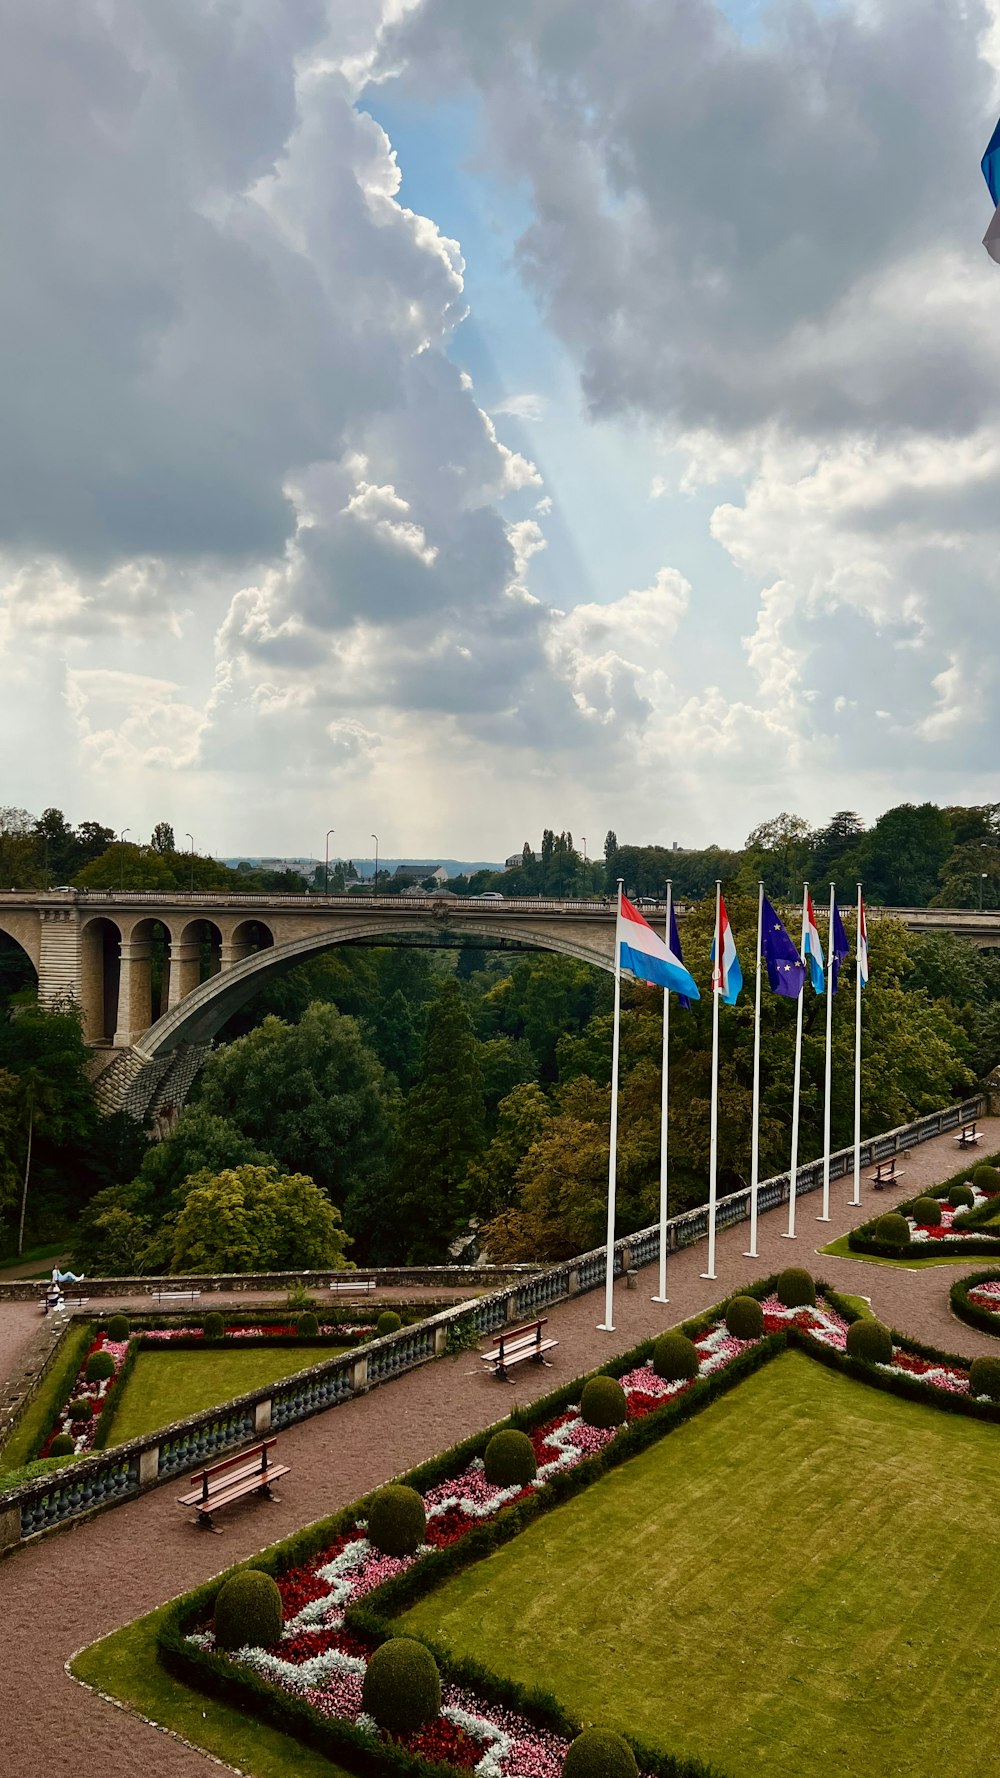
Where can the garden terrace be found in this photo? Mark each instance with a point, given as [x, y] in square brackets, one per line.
[772, 1633]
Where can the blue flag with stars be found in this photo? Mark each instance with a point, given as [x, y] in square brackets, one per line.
[786, 971]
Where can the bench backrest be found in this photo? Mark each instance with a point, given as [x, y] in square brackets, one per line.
[507, 1334]
[267, 1444]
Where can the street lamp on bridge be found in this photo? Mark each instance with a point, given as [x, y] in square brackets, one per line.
[121, 842]
[375, 878]
[190, 836]
[982, 878]
[326, 862]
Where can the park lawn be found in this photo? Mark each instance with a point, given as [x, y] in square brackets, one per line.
[51, 1392]
[124, 1666]
[790, 1583]
[166, 1386]
[840, 1250]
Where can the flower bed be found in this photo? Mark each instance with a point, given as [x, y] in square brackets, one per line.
[86, 1433]
[326, 1642]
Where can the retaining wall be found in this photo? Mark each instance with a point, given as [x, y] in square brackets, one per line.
[127, 1470]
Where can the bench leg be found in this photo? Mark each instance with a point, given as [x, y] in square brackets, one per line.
[205, 1521]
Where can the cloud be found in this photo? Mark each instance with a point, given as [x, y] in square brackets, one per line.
[528, 406]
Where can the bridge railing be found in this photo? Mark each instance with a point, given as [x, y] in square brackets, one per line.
[129, 1469]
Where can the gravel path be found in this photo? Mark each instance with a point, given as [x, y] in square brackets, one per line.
[70, 1588]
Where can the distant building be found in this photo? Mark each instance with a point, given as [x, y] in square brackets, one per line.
[420, 874]
[517, 858]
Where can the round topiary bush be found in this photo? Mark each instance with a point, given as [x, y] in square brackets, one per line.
[745, 1318]
[987, 1178]
[984, 1377]
[248, 1611]
[62, 1445]
[308, 1325]
[602, 1403]
[509, 1459]
[870, 1341]
[675, 1357]
[119, 1328]
[100, 1366]
[961, 1197]
[388, 1322]
[927, 1212]
[213, 1326]
[80, 1410]
[402, 1687]
[397, 1520]
[795, 1288]
[599, 1753]
[893, 1229]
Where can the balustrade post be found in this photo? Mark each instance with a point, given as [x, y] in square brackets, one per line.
[573, 1281]
[359, 1375]
[10, 1527]
[511, 1308]
[149, 1465]
[440, 1339]
[262, 1416]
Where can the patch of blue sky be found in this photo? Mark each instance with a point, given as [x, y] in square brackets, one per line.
[605, 532]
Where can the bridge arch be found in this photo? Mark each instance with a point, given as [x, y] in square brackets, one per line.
[18, 967]
[204, 1010]
[100, 976]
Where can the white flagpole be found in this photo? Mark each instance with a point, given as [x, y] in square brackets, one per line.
[857, 1060]
[713, 1151]
[607, 1325]
[751, 1252]
[825, 1214]
[793, 1165]
[661, 1295]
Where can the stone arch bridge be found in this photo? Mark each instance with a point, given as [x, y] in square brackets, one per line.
[156, 976]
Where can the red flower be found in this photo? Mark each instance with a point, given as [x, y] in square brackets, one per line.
[444, 1740]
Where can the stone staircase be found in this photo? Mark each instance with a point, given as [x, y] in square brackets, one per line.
[146, 1087]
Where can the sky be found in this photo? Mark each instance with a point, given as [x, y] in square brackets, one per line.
[446, 420]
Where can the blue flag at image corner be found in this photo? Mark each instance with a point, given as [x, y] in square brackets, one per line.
[840, 948]
[991, 174]
[786, 971]
[674, 944]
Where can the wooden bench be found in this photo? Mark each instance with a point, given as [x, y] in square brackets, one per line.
[353, 1286]
[247, 1473]
[968, 1135]
[177, 1296]
[515, 1345]
[886, 1173]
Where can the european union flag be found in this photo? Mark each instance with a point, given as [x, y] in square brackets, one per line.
[674, 945]
[991, 165]
[786, 971]
[840, 947]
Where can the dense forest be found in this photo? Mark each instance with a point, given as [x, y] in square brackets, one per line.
[398, 1104]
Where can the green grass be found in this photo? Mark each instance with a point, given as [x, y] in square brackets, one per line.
[53, 1389]
[167, 1386]
[776, 1586]
[124, 1665]
[840, 1249]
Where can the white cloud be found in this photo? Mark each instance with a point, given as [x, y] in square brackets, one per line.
[529, 406]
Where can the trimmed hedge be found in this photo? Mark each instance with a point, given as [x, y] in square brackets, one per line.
[213, 1326]
[387, 1323]
[984, 1377]
[745, 1318]
[675, 1357]
[870, 1341]
[603, 1403]
[308, 1325]
[893, 1230]
[397, 1521]
[600, 1753]
[100, 1366]
[509, 1459]
[987, 1176]
[866, 1238]
[80, 1410]
[795, 1288]
[402, 1686]
[961, 1197]
[62, 1445]
[926, 1212]
[248, 1611]
[986, 1321]
[119, 1328]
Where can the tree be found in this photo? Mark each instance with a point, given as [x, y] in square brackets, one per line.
[443, 1128]
[124, 866]
[256, 1219]
[163, 838]
[831, 843]
[970, 876]
[901, 857]
[778, 850]
[492, 1180]
[43, 1049]
[312, 1094]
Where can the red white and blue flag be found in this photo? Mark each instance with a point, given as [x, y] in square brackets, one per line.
[812, 950]
[727, 975]
[643, 954]
[862, 943]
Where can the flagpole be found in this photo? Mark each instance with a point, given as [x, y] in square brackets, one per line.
[607, 1325]
[793, 1166]
[825, 1215]
[755, 1139]
[661, 1295]
[713, 1148]
[857, 1059]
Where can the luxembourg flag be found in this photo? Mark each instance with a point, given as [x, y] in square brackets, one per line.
[812, 950]
[729, 977]
[643, 954]
[862, 943]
